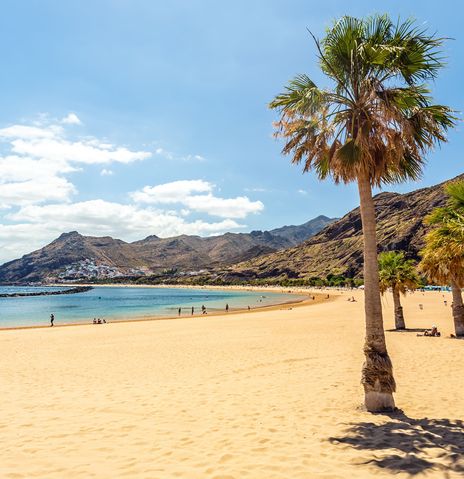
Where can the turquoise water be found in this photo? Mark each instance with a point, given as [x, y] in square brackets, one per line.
[123, 303]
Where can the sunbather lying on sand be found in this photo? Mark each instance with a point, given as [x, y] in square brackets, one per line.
[431, 332]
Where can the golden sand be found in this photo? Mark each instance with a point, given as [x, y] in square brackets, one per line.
[268, 394]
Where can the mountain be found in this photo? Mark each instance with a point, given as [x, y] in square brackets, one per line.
[337, 249]
[74, 256]
[300, 233]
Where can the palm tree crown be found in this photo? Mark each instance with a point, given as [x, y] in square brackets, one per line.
[443, 254]
[378, 119]
[397, 272]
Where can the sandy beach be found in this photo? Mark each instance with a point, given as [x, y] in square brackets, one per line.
[267, 394]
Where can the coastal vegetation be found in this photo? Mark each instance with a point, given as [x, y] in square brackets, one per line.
[398, 274]
[443, 255]
[372, 126]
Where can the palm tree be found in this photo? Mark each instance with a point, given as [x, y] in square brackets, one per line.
[443, 255]
[372, 126]
[399, 274]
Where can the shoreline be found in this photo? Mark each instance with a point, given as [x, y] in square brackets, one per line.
[137, 319]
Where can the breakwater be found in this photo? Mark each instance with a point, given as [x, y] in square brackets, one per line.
[77, 289]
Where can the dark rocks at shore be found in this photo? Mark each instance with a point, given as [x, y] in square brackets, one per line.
[77, 289]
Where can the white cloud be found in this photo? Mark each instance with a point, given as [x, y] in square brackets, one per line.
[238, 207]
[19, 239]
[174, 192]
[27, 132]
[104, 217]
[71, 119]
[40, 156]
[197, 195]
[168, 155]
[85, 151]
[106, 172]
[18, 168]
[302, 192]
[36, 190]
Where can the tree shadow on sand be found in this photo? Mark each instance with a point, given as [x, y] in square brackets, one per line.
[407, 330]
[409, 445]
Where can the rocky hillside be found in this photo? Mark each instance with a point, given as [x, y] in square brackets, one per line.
[337, 249]
[74, 256]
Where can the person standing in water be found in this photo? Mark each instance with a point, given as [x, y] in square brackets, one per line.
[227, 308]
[52, 318]
[180, 311]
[193, 310]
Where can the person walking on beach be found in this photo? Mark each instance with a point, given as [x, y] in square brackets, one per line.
[193, 310]
[180, 311]
[52, 318]
[227, 308]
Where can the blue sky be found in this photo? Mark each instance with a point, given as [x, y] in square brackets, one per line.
[107, 104]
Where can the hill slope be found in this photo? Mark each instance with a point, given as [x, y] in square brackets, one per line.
[73, 256]
[338, 247]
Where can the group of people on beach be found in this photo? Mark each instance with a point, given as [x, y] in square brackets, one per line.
[203, 310]
[179, 311]
[95, 320]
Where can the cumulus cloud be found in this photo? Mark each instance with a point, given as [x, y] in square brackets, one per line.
[27, 132]
[106, 172]
[36, 190]
[85, 151]
[71, 119]
[173, 192]
[40, 157]
[197, 195]
[238, 207]
[104, 217]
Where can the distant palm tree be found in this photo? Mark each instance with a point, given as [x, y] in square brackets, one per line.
[443, 255]
[399, 274]
[372, 126]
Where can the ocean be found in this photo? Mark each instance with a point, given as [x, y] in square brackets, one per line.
[124, 302]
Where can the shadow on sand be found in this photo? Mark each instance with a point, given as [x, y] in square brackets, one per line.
[407, 330]
[410, 445]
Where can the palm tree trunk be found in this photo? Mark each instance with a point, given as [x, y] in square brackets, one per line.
[458, 309]
[399, 318]
[377, 374]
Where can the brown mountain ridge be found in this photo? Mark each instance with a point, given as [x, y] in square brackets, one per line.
[74, 256]
[337, 249]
